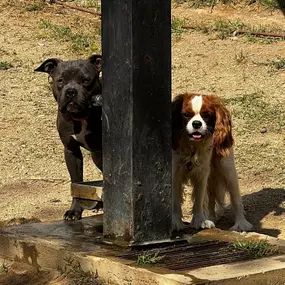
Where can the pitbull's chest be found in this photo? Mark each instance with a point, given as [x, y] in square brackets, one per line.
[81, 137]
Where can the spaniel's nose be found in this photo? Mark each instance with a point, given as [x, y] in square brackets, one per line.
[197, 124]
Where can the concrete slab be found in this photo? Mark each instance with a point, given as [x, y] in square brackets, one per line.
[54, 245]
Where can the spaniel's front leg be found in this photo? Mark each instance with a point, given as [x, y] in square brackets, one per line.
[199, 197]
[178, 176]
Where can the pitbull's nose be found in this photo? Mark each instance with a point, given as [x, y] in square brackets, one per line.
[71, 92]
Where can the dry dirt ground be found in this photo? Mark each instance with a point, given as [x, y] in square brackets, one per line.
[247, 72]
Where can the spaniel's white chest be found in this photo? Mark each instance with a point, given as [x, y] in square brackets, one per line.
[196, 159]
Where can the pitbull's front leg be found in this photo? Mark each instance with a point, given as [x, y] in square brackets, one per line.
[98, 161]
[74, 162]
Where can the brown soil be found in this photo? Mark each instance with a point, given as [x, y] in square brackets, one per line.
[18, 273]
[34, 183]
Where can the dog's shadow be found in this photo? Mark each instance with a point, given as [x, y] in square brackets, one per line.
[258, 205]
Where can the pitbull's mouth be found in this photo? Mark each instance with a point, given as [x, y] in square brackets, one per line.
[79, 116]
[72, 107]
[75, 112]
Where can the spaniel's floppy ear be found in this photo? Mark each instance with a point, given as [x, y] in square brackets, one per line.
[223, 139]
[177, 123]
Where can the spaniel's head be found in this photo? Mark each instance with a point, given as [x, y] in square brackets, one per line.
[201, 117]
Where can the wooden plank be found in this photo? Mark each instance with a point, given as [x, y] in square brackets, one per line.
[87, 190]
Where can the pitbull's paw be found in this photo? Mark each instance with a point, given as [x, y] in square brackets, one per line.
[98, 207]
[177, 223]
[72, 215]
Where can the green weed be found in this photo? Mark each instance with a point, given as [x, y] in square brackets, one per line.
[177, 25]
[4, 268]
[91, 4]
[4, 65]
[149, 258]
[278, 64]
[73, 270]
[203, 3]
[270, 4]
[240, 57]
[226, 28]
[79, 42]
[34, 7]
[255, 249]
[254, 110]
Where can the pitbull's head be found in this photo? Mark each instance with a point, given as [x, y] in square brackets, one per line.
[75, 83]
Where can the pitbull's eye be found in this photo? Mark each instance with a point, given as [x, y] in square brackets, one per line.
[60, 80]
[86, 80]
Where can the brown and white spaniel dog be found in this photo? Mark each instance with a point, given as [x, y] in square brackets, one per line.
[203, 155]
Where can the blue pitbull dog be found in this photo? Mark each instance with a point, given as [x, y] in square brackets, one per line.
[77, 90]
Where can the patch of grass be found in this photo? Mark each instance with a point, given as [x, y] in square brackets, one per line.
[177, 25]
[241, 57]
[203, 3]
[34, 7]
[73, 270]
[149, 258]
[179, 1]
[222, 28]
[255, 249]
[254, 110]
[4, 65]
[278, 64]
[226, 28]
[270, 4]
[79, 42]
[263, 40]
[91, 4]
[4, 267]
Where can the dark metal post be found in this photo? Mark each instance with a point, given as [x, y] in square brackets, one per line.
[136, 49]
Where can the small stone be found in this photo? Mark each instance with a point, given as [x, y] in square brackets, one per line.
[55, 201]
[263, 130]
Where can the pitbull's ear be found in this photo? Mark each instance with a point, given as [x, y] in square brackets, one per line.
[97, 60]
[49, 65]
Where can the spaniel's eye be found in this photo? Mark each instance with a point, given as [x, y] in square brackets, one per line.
[206, 114]
[186, 115]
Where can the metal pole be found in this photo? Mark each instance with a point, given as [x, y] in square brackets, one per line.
[136, 49]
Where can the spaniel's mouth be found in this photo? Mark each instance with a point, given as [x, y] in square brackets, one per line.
[196, 136]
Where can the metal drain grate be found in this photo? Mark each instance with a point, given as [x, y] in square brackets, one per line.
[185, 256]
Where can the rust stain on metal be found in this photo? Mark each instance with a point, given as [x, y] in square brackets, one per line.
[127, 235]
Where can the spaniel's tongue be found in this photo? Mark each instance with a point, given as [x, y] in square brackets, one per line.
[196, 136]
